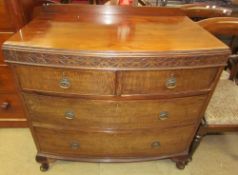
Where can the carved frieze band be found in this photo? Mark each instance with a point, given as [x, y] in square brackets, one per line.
[112, 62]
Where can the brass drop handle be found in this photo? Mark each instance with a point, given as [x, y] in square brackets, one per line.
[70, 115]
[171, 83]
[155, 144]
[164, 115]
[5, 105]
[74, 145]
[64, 83]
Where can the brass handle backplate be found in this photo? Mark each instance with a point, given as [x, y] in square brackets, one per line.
[5, 105]
[163, 115]
[74, 145]
[70, 115]
[155, 144]
[171, 83]
[64, 83]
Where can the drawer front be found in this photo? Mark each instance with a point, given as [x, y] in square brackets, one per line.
[115, 144]
[76, 113]
[5, 20]
[166, 82]
[3, 37]
[11, 106]
[66, 81]
[7, 83]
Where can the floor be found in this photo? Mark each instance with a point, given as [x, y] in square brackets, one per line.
[216, 155]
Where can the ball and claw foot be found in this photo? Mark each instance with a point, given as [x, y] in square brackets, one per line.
[44, 167]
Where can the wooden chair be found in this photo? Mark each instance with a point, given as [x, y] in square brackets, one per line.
[199, 11]
[222, 112]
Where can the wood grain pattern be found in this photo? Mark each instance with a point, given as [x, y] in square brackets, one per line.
[112, 115]
[81, 81]
[108, 33]
[118, 61]
[7, 82]
[154, 82]
[126, 144]
[3, 37]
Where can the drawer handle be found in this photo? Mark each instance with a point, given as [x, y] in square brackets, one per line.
[5, 105]
[64, 83]
[155, 144]
[74, 145]
[171, 83]
[70, 115]
[163, 115]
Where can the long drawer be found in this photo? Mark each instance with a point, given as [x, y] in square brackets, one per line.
[11, 107]
[115, 144]
[167, 82]
[7, 83]
[86, 82]
[79, 113]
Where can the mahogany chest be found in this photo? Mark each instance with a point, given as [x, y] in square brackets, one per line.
[114, 84]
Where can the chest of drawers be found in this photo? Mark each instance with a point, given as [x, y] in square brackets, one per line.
[115, 88]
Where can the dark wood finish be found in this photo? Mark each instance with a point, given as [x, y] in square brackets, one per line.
[181, 161]
[120, 82]
[44, 163]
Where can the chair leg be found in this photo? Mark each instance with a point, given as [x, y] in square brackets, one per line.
[201, 132]
[234, 70]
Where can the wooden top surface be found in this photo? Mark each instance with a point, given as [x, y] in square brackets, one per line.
[105, 32]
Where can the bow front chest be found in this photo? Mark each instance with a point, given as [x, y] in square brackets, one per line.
[114, 84]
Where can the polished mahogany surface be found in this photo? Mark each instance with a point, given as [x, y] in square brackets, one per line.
[114, 84]
[120, 33]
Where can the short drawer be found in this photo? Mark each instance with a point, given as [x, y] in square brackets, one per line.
[167, 82]
[10, 106]
[3, 37]
[115, 144]
[79, 113]
[7, 83]
[82, 82]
